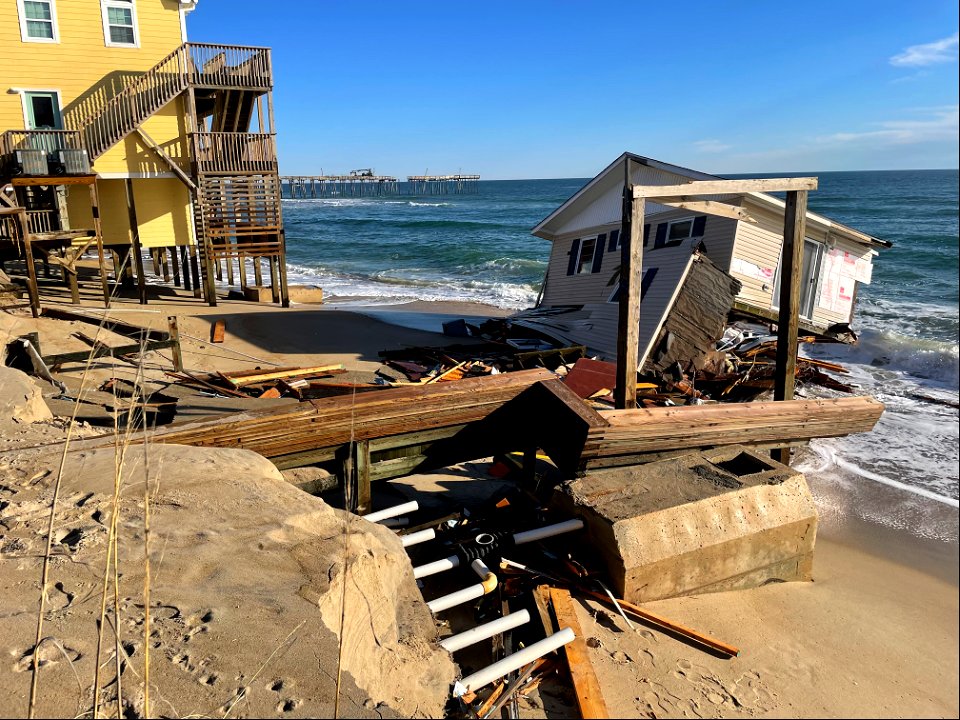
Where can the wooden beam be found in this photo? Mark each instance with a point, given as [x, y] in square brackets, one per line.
[726, 187]
[791, 267]
[585, 683]
[710, 207]
[98, 235]
[692, 427]
[177, 170]
[135, 242]
[631, 273]
[32, 180]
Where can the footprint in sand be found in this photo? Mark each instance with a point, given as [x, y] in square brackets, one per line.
[51, 652]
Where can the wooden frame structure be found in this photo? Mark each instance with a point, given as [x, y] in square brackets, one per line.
[689, 195]
[51, 238]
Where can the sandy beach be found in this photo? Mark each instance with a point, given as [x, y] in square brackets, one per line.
[875, 634]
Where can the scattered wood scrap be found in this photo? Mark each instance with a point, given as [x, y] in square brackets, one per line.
[218, 331]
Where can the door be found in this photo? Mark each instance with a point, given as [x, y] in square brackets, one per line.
[809, 279]
[43, 111]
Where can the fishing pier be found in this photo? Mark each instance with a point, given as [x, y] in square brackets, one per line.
[363, 183]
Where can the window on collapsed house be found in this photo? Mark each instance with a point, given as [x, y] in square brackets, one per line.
[674, 232]
[588, 246]
[38, 21]
[120, 23]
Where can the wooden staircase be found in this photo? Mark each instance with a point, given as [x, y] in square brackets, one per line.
[233, 178]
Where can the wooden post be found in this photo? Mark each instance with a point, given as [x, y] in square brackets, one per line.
[98, 229]
[791, 265]
[164, 264]
[274, 285]
[631, 273]
[195, 271]
[175, 349]
[257, 272]
[181, 262]
[32, 288]
[155, 257]
[135, 242]
[282, 263]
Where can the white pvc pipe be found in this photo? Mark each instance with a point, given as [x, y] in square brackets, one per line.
[390, 512]
[395, 522]
[529, 536]
[487, 630]
[469, 593]
[487, 675]
[422, 571]
[445, 602]
[418, 537]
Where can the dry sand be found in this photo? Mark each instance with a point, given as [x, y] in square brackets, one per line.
[876, 633]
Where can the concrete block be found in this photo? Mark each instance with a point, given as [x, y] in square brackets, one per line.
[703, 522]
[298, 293]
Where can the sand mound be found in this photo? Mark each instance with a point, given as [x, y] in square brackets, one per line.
[248, 575]
[20, 399]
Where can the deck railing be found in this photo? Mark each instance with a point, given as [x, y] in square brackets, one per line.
[42, 221]
[200, 64]
[47, 140]
[226, 66]
[235, 152]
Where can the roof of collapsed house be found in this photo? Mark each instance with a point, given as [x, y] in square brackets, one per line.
[598, 202]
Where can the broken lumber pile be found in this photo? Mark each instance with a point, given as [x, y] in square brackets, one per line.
[767, 424]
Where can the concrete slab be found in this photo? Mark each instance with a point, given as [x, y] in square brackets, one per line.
[703, 522]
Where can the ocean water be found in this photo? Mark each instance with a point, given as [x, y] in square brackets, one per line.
[478, 248]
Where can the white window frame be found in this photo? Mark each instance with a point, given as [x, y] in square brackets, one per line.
[53, 19]
[23, 92]
[132, 5]
[670, 223]
[589, 268]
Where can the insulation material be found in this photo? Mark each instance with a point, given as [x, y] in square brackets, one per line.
[839, 279]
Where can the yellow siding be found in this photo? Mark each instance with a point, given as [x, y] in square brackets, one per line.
[163, 211]
[87, 72]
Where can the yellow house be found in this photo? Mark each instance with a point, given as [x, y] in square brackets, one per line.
[179, 135]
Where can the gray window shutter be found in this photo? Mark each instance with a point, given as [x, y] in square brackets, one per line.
[614, 237]
[646, 234]
[574, 254]
[661, 238]
[699, 225]
[598, 253]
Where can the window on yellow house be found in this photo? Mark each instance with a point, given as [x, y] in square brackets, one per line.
[38, 21]
[120, 23]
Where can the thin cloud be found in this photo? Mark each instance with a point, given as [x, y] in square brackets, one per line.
[711, 146]
[940, 124]
[939, 51]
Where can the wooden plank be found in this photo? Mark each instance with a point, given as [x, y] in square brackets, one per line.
[585, 683]
[628, 320]
[281, 375]
[218, 331]
[363, 495]
[726, 187]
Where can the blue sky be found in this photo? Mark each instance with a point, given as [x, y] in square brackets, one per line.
[530, 89]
